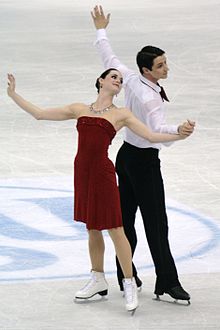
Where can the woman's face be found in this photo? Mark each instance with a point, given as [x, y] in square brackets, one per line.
[113, 81]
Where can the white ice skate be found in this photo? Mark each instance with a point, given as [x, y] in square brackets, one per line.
[130, 293]
[96, 285]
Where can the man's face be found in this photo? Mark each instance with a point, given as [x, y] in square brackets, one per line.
[159, 69]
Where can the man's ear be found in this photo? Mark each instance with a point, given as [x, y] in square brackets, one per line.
[145, 70]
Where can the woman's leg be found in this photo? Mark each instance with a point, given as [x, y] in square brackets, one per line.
[123, 250]
[97, 283]
[96, 250]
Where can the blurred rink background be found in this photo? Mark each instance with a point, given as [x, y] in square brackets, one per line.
[48, 46]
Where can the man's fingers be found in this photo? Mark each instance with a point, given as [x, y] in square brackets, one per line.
[101, 10]
[97, 11]
[189, 128]
[187, 132]
[191, 123]
[92, 14]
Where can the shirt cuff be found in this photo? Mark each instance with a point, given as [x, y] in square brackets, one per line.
[174, 129]
[100, 34]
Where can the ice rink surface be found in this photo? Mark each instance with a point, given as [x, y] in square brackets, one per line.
[48, 46]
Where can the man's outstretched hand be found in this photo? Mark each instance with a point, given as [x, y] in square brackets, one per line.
[187, 128]
[100, 20]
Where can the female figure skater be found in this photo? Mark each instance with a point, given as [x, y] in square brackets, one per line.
[97, 201]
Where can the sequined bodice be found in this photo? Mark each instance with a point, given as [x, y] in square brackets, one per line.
[95, 136]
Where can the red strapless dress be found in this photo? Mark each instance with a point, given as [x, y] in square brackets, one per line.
[96, 198]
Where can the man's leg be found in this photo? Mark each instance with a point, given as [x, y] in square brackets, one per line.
[156, 229]
[149, 190]
[148, 185]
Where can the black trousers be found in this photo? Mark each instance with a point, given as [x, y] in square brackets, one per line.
[141, 185]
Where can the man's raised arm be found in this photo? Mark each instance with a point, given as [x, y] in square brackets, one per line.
[102, 44]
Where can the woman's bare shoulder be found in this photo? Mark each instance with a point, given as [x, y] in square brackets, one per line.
[123, 112]
[78, 108]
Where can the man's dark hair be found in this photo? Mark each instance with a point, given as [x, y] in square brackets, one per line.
[103, 75]
[146, 56]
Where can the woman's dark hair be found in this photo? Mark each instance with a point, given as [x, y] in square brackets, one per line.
[145, 58]
[103, 75]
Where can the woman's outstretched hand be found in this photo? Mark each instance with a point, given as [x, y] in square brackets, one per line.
[11, 85]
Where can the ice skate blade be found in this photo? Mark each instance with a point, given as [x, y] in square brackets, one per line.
[175, 301]
[139, 288]
[101, 293]
[132, 311]
[94, 300]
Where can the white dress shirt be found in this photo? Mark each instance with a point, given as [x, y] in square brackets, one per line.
[142, 96]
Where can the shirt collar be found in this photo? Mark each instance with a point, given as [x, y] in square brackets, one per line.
[155, 87]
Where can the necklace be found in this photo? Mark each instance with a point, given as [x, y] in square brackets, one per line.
[101, 110]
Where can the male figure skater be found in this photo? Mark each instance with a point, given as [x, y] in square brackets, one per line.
[138, 164]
